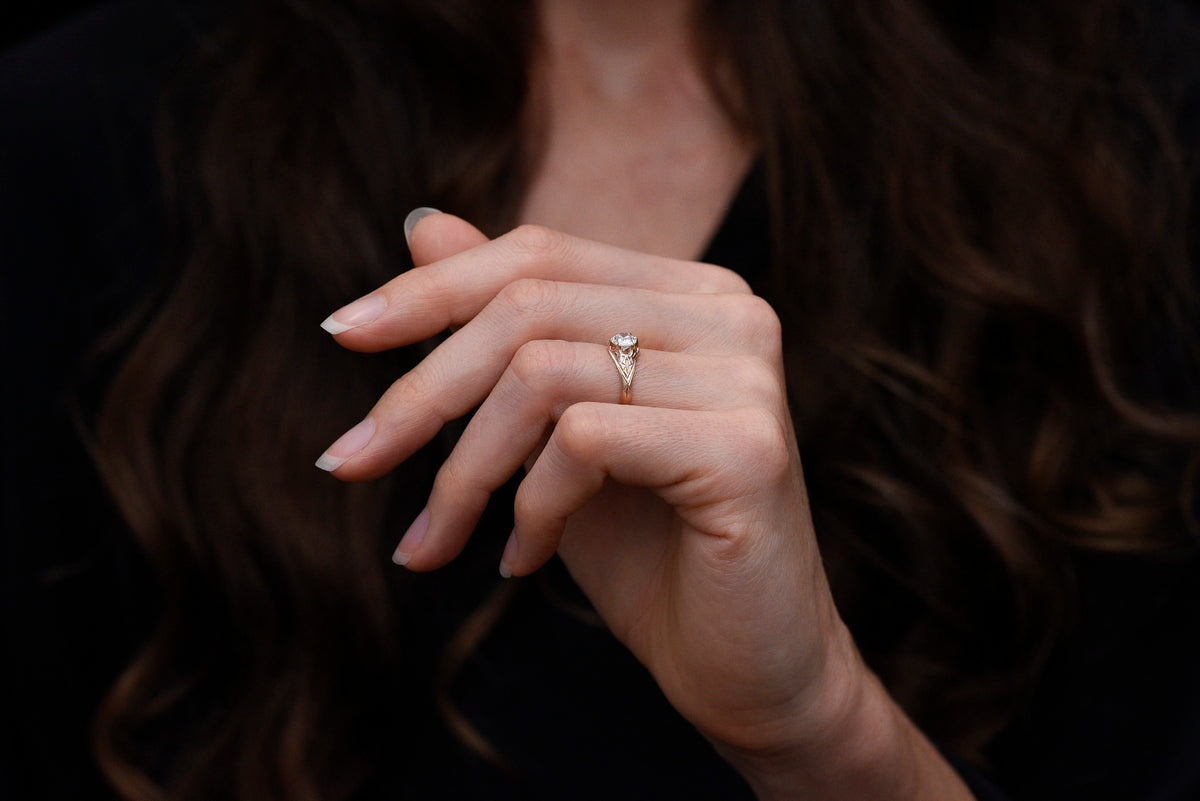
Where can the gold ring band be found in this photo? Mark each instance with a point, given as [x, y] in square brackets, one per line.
[623, 348]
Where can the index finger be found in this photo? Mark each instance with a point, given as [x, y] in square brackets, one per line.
[427, 300]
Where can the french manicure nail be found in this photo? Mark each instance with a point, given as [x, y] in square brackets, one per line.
[412, 538]
[509, 556]
[347, 445]
[362, 311]
[414, 217]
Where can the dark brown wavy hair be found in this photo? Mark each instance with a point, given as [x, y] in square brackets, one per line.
[978, 217]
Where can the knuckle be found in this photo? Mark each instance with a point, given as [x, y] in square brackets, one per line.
[538, 242]
[417, 389]
[525, 504]
[532, 359]
[758, 382]
[755, 319]
[580, 431]
[763, 442]
[540, 364]
[451, 478]
[458, 485]
[721, 280]
[761, 316]
[528, 295]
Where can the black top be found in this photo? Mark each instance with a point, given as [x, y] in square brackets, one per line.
[1117, 718]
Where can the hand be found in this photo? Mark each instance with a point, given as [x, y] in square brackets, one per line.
[683, 517]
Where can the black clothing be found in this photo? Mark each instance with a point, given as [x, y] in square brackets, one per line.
[1118, 717]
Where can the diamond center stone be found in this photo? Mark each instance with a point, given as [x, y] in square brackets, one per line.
[624, 341]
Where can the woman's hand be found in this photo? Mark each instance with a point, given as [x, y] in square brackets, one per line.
[683, 516]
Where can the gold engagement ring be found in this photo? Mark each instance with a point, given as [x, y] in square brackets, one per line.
[624, 351]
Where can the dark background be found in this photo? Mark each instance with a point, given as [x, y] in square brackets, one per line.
[22, 21]
[38, 16]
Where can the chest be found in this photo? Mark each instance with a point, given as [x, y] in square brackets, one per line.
[654, 181]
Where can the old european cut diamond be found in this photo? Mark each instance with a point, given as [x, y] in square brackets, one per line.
[626, 342]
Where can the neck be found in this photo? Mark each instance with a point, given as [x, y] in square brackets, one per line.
[628, 142]
[617, 50]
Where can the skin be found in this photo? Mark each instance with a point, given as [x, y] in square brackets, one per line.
[634, 149]
[684, 515]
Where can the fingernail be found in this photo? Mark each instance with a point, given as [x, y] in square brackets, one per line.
[509, 556]
[412, 538]
[414, 217]
[347, 445]
[362, 311]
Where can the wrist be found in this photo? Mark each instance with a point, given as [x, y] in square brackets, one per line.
[830, 724]
[849, 740]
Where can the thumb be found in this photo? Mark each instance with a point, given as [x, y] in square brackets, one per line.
[433, 235]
